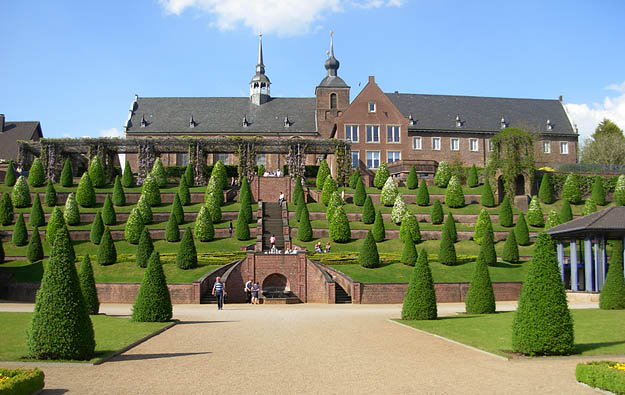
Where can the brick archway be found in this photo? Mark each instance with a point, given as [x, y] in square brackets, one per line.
[276, 281]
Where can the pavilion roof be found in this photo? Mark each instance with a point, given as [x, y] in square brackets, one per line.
[609, 222]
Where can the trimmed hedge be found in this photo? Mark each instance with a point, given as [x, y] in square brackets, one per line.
[242, 229]
[151, 191]
[298, 207]
[480, 297]
[612, 295]
[128, 179]
[97, 229]
[71, 214]
[589, 206]
[454, 196]
[420, 299]
[159, 174]
[297, 189]
[381, 175]
[187, 254]
[67, 179]
[378, 230]
[213, 206]
[571, 191]
[506, 218]
[472, 179]
[329, 187]
[521, 231]
[322, 173]
[20, 235]
[447, 251]
[399, 209]
[442, 175]
[107, 253]
[176, 210]
[36, 174]
[353, 179]
[369, 256]
[487, 198]
[412, 181]
[389, 192]
[409, 229]
[602, 375]
[360, 195]
[304, 230]
[535, 216]
[481, 225]
[37, 217]
[545, 193]
[153, 303]
[85, 194]
[598, 192]
[119, 198]
[35, 249]
[566, 213]
[6, 209]
[204, 229]
[436, 213]
[50, 197]
[368, 211]
[20, 195]
[335, 201]
[10, 177]
[553, 219]
[172, 231]
[134, 227]
[87, 286]
[619, 191]
[408, 253]
[450, 226]
[340, 231]
[108, 212]
[21, 381]
[144, 249]
[96, 172]
[423, 195]
[487, 248]
[55, 222]
[145, 210]
[511, 249]
[189, 176]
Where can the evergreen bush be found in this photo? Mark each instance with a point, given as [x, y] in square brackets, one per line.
[20, 235]
[67, 180]
[423, 195]
[204, 229]
[335, 201]
[598, 192]
[50, 197]
[420, 298]
[480, 297]
[69, 246]
[10, 177]
[408, 253]
[340, 231]
[134, 226]
[144, 249]
[535, 215]
[566, 214]
[545, 193]
[299, 206]
[487, 199]
[107, 254]
[322, 173]
[412, 181]
[55, 222]
[128, 179]
[521, 231]
[153, 303]
[189, 176]
[553, 219]
[183, 192]
[612, 295]
[145, 210]
[176, 210]
[212, 204]
[261, 170]
[20, 195]
[245, 192]
[36, 175]
[85, 194]
[151, 191]
[409, 229]
[213, 189]
[119, 197]
[589, 206]
[109, 217]
[447, 252]
[369, 256]
[442, 175]
[172, 232]
[619, 191]
[378, 230]
[353, 179]
[399, 209]
[246, 203]
[97, 229]
[506, 218]
[381, 175]
[368, 212]
[304, 230]
[487, 248]
[542, 323]
[158, 173]
[6, 210]
[361, 194]
[436, 213]
[96, 172]
[483, 222]
[187, 255]
[37, 217]
[454, 197]
[450, 226]
[35, 249]
[472, 179]
[242, 230]
[70, 212]
[389, 192]
[87, 286]
[297, 189]
[329, 187]
[511, 249]
[571, 191]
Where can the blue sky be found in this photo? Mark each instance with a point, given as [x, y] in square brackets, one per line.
[75, 65]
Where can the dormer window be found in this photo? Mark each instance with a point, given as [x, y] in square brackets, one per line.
[191, 122]
[503, 123]
[371, 106]
[549, 125]
[245, 122]
[143, 121]
[332, 100]
[411, 120]
[287, 123]
[458, 121]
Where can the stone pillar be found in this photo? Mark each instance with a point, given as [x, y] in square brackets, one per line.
[561, 258]
[573, 265]
[589, 282]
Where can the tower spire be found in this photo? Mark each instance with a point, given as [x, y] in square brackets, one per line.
[332, 64]
[259, 85]
[260, 67]
[331, 43]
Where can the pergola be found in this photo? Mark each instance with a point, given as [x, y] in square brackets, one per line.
[588, 270]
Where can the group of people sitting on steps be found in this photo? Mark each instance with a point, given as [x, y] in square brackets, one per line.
[275, 250]
[318, 247]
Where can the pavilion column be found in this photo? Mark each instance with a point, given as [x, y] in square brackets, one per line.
[596, 264]
[600, 263]
[588, 265]
[623, 255]
[561, 258]
[574, 265]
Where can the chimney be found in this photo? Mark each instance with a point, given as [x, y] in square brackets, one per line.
[371, 79]
[560, 98]
[1, 123]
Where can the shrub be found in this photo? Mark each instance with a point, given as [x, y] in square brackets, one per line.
[420, 298]
[353, 179]
[204, 229]
[172, 231]
[443, 175]
[423, 195]
[212, 204]
[96, 172]
[9, 177]
[340, 231]
[545, 193]
[119, 198]
[20, 195]
[21, 381]
[412, 181]
[214, 189]
[220, 175]
[297, 188]
[361, 194]
[447, 252]
[483, 222]
[6, 210]
[242, 230]
[159, 174]
[571, 191]
[50, 197]
[553, 219]
[245, 192]
[511, 249]
[55, 223]
[329, 187]
[566, 214]
[521, 231]
[37, 217]
[246, 202]
[369, 256]
[598, 192]
[20, 235]
[87, 286]
[109, 216]
[408, 253]
[472, 179]
[145, 210]
[506, 218]
[36, 175]
[187, 255]
[487, 248]
[619, 191]
[304, 230]
[378, 230]
[144, 249]
[454, 197]
[261, 170]
[480, 297]
[107, 254]
[389, 192]
[300, 205]
[368, 212]
[176, 210]
[153, 303]
[399, 209]
[612, 295]
[589, 206]
[324, 171]
[151, 191]
[35, 249]
[450, 226]
[535, 215]
[409, 229]
[335, 201]
[128, 179]
[487, 199]
[381, 175]
[67, 180]
[60, 327]
[436, 213]
[85, 194]
[71, 213]
[134, 226]
[542, 323]
[602, 375]
[97, 229]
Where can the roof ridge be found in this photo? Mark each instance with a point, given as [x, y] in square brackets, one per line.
[600, 215]
[470, 96]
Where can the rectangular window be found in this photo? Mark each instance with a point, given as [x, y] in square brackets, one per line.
[416, 143]
[373, 159]
[261, 159]
[392, 134]
[436, 143]
[491, 146]
[371, 106]
[224, 158]
[373, 134]
[182, 159]
[392, 156]
[355, 159]
[564, 147]
[473, 145]
[546, 147]
[454, 144]
[351, 133]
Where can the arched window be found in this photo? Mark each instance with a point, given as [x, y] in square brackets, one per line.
[332, 100]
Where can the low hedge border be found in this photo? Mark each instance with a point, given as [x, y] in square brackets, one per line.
[349, 258]
[605, 375]
[20, 381]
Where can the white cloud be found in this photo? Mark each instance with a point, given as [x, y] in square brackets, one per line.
[112, 132]
[587, 117]
[283, 17]
[616, 87]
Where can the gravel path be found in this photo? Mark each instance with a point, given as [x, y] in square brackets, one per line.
[305, 349]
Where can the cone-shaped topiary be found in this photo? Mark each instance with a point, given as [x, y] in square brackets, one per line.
[506, 218]
[153, 303]
[151, 191]
[297, 188]
[10, 177]
[212, 204]
[187, 255]
[35, 249]
[408, 253]
[483, 222]
[60, 327]
[55, 223]
[511, 249]
[589, 206]
[353, 179]
[172, 232]
[553, 219]
[521, 231]
[571, 191]
[36, 175]
[220, 175]
[71, 214]
[329, 187]
[389, 192]
[436, 213]
[37, 218]
[361, 194]
[85, 194]
[1, 252]
[566, 213]
[304, 230]
[412, 181]
[381, 175]
[480, 297]
[487, 248]
[545, 193]
[119, 198]
[487, 199]
[473, 179]
[261, 170]
[368, 212]
[442, 175]
[542, 323]
[158, 173]
[96, 172]
[447, 251]
[134, 227]
[144, 249]
[87, 286]
[409, 229]
[145, 210]
[298, 208]
[246, 191]
[399, 209]
[535, 216]
[322, 173]
[188, 175]
[109, 217]
[6, 209]
[213, 189]
[420, 298]
[454, 197]
[378, 230]
[107, 254]
[50, 197]
[183, 192]
[204, 230]
[176, 210]
[423, 195]
[619, 191]
[450, 225]
[369, 256]
[20, 195]
[97, 229]
[340, 231]
[242, 230]
[20, 235]
[613, 292]
[598, 191]
[128, 179]
[335, 201]
[67, 179]
[246, 203]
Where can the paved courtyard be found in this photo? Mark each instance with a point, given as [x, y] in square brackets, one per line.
[304, 349]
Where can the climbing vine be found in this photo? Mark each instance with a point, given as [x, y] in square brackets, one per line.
[296, 160]
[513, 155]
[147, 156]
[246, 152]
[197, 157]
[343, 162]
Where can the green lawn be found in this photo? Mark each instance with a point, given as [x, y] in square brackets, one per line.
[111, 334]
[597, 332]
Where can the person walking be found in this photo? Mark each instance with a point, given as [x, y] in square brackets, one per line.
[255, 290]
[272, 241]
[281, 198]
[248, 291]
[230, 228]
[219, 291]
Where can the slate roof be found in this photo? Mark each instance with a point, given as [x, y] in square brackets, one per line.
[14, 131]
[482, 114]
[333, 81]
[610, 221]
[222, 115]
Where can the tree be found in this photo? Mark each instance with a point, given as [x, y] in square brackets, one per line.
[420, 298]
[97, 229]
[521, 232]
[145, 210]
[423, 195]
[545, 193]
[60, 327]
[204, 229]
[566, 214]
[361, 194]
[134, 227]
[176, 210]
[369, 256]
[480, 297]
[399, 209]
[108, 212]
[71, 213]
[128, 179]
[612, 295]
[20, 235]
[37, 218]
[85, 194]
[242, 230]
[535, 216]
[450, 226]
[598, 192]
[619, 191]
[472, 179]
[329, 187]
[246, 192]
[187, 255]
[487, 248]
[513, 154]
[119, 198]
[246, 202]
[442, 175]
[322, 173]
[436, 213]
[183, 192]
[606, 145]
[172, 231]
[389, 192]
[35, 249]
[10, 178]
[67, 180]
[55, 222]
[297, 189]
[412, 181]
[335, 201]
[87, 286]
[542, 323]
[487, 199]
[553, 219]
[409, 229]
[481, 225]
[144, 249]
[381, 175]
[571, 191]
[408, 253]
[506, 218]
[20, 195]
[447, 251]
[511, 249]
[151, 191]
[368, 211]
[340, 231]
[36, 175]
[96, 172]
[378, 230]
[50, 197]
[153, 303]
[454, 197]
[300, 205]
[213, 207]
[158, 173]
[188, 175]
[304, 230]
[107, 253]
[6, 210]
[353, 179]
[589, 206]
[219, 175]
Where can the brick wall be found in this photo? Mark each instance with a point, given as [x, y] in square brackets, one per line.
[268, 189]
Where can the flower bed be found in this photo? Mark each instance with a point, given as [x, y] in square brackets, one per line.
[349, 258]
[20, 381]
[605, 375]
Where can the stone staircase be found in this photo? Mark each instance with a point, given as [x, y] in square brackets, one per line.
[340, 296]
[272, 225]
